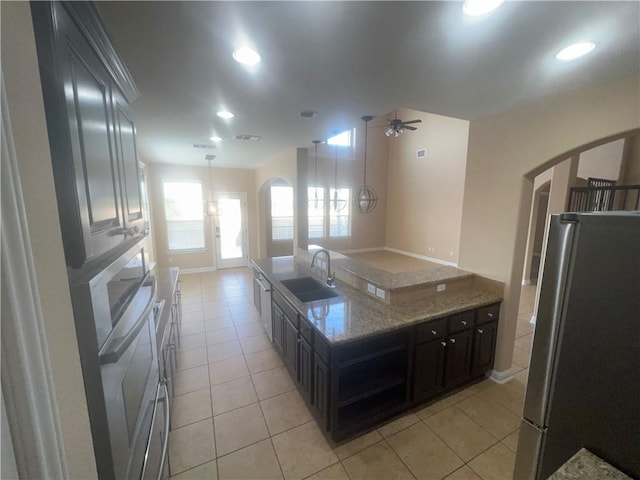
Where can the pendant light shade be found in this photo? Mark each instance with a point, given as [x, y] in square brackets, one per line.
[365, 197]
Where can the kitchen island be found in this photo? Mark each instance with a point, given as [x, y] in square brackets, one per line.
[359, 361]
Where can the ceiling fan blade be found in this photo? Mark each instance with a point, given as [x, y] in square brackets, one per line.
[410, 128]
[413, 121]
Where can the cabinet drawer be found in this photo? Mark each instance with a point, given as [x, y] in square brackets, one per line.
[489, 313]
[431, 330]
[460, 321]
[305, 328]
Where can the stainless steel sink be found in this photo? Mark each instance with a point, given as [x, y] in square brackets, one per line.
[308, 289]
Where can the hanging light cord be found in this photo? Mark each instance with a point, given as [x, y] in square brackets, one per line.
[335, 181]
[366, 134]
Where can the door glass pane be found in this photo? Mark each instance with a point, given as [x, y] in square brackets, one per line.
[230, 225]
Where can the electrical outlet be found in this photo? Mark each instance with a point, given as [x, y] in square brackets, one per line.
[441, 287]
[371, 288]
[380, 293]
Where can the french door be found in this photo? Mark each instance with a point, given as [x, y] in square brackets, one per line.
[230, 230]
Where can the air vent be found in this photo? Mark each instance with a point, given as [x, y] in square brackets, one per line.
[203, 145]
[245, 137]
[209, 157]
[422, 153]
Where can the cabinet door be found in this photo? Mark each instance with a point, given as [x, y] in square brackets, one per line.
[458, 361]
[131, 197]
[484, 347]
[278, 328]
[305, 370]
[290, 348]
[321, 383]
[429, 369]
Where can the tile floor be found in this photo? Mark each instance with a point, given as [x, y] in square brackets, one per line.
[238, 415]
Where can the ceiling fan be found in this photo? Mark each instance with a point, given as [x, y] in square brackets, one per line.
[396, 127]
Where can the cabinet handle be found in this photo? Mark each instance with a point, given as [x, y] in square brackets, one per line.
[434, 332]
[444, 344]
[480, 330]
[452, 340]
[299, 340]
[490, 315]
[463, 322]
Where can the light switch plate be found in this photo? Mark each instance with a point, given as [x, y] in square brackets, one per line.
[371, 288]
[441, 287]
[380, 292]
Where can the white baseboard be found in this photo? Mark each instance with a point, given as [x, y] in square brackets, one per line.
[187, 271]
[505, 375]
[421, 257]
[360, 250]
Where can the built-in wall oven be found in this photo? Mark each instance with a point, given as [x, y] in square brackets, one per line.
[116, 312]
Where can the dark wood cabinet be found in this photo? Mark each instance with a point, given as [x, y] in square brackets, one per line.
[321, 392]
[305, 369]
[86, 91]
[458, 359]
[484, 347]
[429, 369]
[290, 348]
[277, 318]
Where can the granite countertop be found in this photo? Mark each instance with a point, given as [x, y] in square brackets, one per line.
[584, 465]
[353, 314]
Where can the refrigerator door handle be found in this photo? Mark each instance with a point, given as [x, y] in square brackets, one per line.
[550, 318]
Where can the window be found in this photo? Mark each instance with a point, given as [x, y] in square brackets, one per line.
[183, 213]
[339, 212]
[281, 212]
[315, 212]
[344, 139]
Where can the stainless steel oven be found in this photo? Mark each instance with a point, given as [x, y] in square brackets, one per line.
[116, 313]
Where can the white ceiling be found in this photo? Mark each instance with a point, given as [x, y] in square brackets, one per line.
[345, 60]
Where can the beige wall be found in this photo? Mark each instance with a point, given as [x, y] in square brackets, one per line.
[505, 147]
[630, 174]
[24, 96]
[602, 161]
[222, 180]
[424, 206]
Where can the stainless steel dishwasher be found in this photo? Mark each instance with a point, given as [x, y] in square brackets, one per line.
[262, 300]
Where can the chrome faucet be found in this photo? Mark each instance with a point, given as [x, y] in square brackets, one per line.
[330, 276]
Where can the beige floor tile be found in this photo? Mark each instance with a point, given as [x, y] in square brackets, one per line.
[231, 395]
[482, 385]
[376, 462]
[433, 408]
[462, 394]
[214, 305]
[256, 461]
[424, 453]
[208, 471]
[398, 424]
[272, 382]
[192, 358]
[189, 342]
[285, 411]
[262, 361]
[521, 378]
[511, 441]
[191, 446]
[334, 472]
[465, 437]
[524, 342]
[521, 357]
[303, 451]
[190, 408]
[193, 327]
[495, 464]
[227, 370]
[224, 351]
[218, 323]
[188, 308]
[239, 428]
[524, 327]
[243, 318]
[510, 394]
[252, 329]
[191, 380]
[463, 473]
[357, 444]
[219, 312]
[493, 417]
[221, 335]
[255, 344]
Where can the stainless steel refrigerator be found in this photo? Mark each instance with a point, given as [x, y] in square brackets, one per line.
[584, 379]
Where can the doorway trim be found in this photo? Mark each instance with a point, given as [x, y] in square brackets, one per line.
[217, 257]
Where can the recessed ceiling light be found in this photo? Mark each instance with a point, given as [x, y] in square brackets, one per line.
[480, 7]
[225, 114]
[215, 139]
[308, 113]
[246, 56]
[574, 51]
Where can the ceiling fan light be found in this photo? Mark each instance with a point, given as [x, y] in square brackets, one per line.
[388, 131]
[246, 56]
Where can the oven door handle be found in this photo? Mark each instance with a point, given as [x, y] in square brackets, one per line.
[167, 424]
[114, 353]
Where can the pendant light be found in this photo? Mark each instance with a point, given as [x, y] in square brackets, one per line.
[365, 198]
[315, 181]
[209, 205]
[338, 204]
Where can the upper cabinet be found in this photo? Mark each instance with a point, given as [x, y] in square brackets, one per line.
[87, 91]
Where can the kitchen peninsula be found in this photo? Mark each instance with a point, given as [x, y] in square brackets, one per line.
[382, 343]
